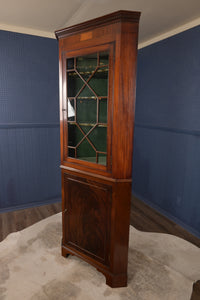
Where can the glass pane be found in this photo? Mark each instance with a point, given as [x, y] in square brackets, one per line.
[86, 110]
[103, 110]
[71, 109]
[86, 128]
[86, 92]
[86, 152]
[74, 135]
[74, 84]
[98, 137]
[103, 58]
[70, 63]
[86, 63]
[71, 152]
[102, 158]
[99, 82]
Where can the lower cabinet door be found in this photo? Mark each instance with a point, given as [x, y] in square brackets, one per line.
[87, 217]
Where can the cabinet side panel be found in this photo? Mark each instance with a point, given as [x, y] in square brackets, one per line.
[121, 201]
[124, 100]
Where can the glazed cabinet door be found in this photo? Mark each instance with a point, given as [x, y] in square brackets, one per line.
[87, 106]
[87, 215]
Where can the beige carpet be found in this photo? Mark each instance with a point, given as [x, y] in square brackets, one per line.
[161, 267]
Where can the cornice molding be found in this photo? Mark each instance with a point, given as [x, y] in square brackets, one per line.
[118, 16]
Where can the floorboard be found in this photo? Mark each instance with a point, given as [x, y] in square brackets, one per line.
[20, 219]
[143, 218]
[148, 219]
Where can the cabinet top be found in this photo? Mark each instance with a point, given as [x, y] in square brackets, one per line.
[116, 17]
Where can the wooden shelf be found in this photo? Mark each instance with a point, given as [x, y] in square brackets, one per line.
[101, 159]
[90, 97]
[88, 124]
[76, 72]
[91, 68]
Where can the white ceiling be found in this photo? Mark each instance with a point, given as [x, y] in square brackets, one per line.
[159, 17]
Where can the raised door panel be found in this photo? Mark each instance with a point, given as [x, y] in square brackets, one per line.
[87, 213]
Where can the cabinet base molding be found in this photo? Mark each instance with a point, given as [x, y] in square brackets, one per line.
[116, 281]
[113, 280]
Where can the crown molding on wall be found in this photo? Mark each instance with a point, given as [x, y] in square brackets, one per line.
[170, 33]
[141, 45]
[26, 30]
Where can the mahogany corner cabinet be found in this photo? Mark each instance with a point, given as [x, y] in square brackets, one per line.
[97, 69]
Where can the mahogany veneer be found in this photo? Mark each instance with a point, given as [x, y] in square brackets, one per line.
[96, 196]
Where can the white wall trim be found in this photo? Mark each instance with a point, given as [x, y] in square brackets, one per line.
[155, 39]
[170, 33]
[26, 30]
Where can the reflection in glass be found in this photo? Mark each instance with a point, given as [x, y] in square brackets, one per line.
[70, 110]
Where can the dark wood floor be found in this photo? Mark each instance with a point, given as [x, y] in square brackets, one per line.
[143, 218]
[20, 219]
[147, 219]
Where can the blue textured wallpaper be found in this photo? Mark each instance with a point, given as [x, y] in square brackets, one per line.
[29, 120]
[166, 161]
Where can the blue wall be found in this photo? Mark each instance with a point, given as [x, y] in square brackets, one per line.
[166, 162]
[29, 121]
